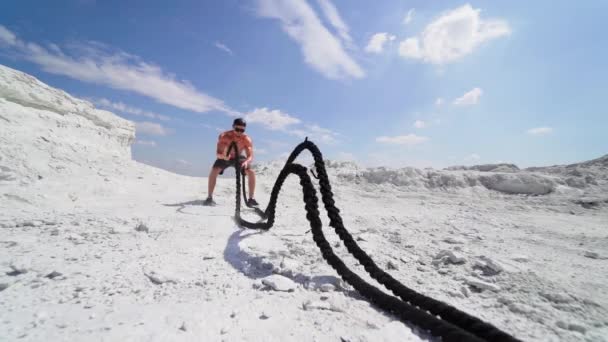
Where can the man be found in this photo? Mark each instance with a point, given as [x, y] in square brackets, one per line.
[244, 144]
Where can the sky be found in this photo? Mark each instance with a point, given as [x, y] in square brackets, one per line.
[382, 83]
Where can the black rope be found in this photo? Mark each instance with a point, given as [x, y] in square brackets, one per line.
[439, 318]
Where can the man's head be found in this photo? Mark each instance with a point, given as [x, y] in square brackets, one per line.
[239, 125]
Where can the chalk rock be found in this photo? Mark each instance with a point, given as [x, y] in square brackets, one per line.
[488, 266]
[448, 257]
[454, 241]
[159, 278]
[482, 285]
[278, 282]
[316, 305]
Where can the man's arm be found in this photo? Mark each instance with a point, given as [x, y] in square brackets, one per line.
[221, 147]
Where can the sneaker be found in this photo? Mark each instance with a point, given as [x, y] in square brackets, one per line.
[252, 202]
[209, 202]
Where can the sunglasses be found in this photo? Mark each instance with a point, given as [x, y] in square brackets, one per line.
[240, 130]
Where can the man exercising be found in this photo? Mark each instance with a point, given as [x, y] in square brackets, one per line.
[243, 142]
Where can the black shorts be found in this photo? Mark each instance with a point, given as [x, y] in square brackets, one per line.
[224, 164]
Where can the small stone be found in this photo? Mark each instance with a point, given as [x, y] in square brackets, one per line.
[224, 331]
[53, 275]
[449, 257]
[454, 241]
[558, 298]
[482, 285]
[183, 327]
[18, 269]
[591, 255]
[488, 266]
[4, 286]
[465, 291]
[391, 265]
[521, 258]
[278, 282]
[158, 278]
[264, 316]
[142, 228]
[316, 305]
[327, 288]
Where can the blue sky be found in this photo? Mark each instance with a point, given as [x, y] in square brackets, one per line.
[393, 83]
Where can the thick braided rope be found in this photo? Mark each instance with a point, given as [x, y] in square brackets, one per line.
[450, 316]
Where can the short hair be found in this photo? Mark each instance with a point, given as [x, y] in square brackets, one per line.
[239, 122]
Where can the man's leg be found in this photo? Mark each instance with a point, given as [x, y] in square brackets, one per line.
[251, 178]
[215, 171]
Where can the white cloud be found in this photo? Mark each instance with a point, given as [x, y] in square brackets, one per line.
[453, 35]
[224, 48]
[408, 140]
[183, 162]
[376, 42]
[260, 151]
[121, 107]
[99, 64]
[271, 119]
[346, 156]
[149, 143]
[470, 98]
[409, 16]
[420, 124]
[472, 158]
[7, 37]
[322, 50]
[218, 129]
[316, 133]
[151, 128]
[540, 130]
[331, 13]
[438, 102]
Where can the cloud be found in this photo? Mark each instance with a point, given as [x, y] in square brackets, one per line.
[346, 156]
[376, 42]
[97, 63]
[260, 151]
[407, 140]
[472, 158]
[149, 143]
[409, 16]
[439, 102]
[331, 13]
[224, 48]
[316, 133]
[123, 108]
[151, 128]
[218, 129]
[420, 124]
[453, 35]
[470, 98]
[271, 119]
[322, 50]
[183, 162]
[540, 130]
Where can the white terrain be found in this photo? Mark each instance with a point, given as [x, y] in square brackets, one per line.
[97, 247]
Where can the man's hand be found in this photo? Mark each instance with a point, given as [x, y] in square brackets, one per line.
[221, 156]
[244, 164]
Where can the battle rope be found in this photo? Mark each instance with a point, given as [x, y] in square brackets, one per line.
[439, 318]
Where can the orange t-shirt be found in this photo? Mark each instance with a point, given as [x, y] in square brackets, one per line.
[243, 142]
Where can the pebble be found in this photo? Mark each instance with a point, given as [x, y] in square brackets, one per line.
[316, 305]
[327, 288]
[482, 285]
[278, 282]
[571, 326]
[449, 257]
[591, 255]
[488, 266]
[142, 228]
[454, 241]
[392, 266]
[4, 286]
[158, 278]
